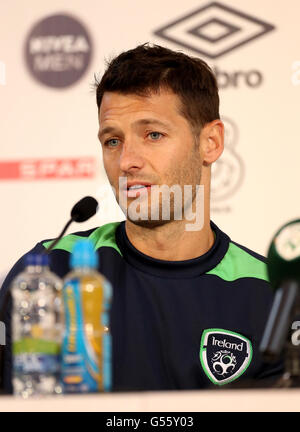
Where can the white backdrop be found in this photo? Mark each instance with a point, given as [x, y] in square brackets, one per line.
[256, 180]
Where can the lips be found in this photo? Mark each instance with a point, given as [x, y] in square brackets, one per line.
[132, 193]
[135, 191]
[137, 183]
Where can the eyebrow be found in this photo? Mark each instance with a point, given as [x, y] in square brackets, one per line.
[141, 122]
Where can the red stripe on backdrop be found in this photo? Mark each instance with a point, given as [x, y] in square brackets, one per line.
[44, 169]
[9, 170]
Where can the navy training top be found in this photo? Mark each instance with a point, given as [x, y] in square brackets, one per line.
[189, 324]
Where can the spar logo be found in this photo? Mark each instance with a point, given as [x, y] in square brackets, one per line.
[224, 355]
[214, 30]
[47, 169]
[58, 50]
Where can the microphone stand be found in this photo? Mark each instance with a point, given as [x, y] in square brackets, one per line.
[54, 243]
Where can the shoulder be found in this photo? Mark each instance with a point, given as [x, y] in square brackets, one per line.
[246, 252]
[100, 236]
[241, 262]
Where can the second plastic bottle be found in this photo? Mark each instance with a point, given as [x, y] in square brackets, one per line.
[86, 350]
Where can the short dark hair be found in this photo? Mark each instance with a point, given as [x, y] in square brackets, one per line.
[146, 69]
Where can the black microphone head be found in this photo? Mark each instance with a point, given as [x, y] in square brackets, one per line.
[84, 209]
[284, 254]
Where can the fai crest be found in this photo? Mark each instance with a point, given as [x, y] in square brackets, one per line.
[224, 355]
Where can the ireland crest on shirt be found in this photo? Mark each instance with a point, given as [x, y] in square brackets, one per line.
[224, 355]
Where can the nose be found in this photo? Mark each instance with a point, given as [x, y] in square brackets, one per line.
[131, 158]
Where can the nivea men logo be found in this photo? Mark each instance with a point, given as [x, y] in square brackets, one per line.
[214, 30]
[2, 333]
[224, 355]
[58, 50]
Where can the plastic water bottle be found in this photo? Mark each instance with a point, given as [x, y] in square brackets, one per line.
[86, 350]
[36, 329]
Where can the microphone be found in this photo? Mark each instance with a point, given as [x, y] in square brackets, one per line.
[82, 211]
[283, 262]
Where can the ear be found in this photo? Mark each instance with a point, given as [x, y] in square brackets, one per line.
[212, 141]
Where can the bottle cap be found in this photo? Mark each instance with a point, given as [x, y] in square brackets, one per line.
[84, 255]
[35, 259]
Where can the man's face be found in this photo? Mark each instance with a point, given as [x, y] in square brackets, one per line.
[147, 140]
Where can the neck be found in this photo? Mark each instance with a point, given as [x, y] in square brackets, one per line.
[171, 241]
[177, 240]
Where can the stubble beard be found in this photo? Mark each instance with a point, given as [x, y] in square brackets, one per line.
[188, 173]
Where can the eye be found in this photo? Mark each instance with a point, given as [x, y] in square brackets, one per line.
[155, 135]
[113, 142]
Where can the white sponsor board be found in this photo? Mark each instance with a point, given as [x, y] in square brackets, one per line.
[257, 177]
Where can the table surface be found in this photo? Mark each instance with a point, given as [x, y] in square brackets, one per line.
[270, 400]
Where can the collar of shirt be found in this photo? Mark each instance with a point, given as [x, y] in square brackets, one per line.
[174, 269]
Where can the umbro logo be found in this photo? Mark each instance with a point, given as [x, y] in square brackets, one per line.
[214, 30]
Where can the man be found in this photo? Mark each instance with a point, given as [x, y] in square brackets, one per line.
[189, 305]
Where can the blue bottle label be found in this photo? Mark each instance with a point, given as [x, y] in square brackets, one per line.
[34, 355]
[80, 362]
[36, 363]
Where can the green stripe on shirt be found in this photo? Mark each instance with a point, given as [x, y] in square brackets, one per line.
[102, 236]
[238, 264]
